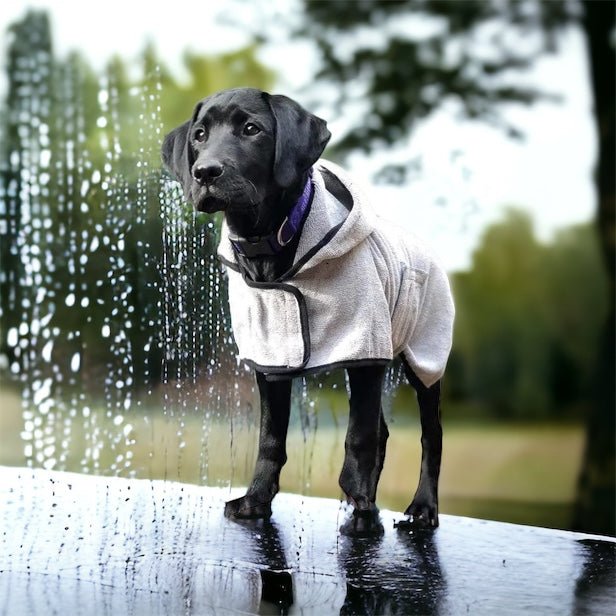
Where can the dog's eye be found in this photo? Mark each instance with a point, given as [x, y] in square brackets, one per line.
[251, 129]
[199, 135]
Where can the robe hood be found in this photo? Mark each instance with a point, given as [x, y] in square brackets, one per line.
[331, 229]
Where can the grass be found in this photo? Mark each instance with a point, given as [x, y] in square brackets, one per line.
[517, 473]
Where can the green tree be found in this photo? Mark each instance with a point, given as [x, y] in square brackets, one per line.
[578, 305]
[436, 51]
[27, 80]
[98, 208]
[528, 319]
[412, 75]
[500, 321]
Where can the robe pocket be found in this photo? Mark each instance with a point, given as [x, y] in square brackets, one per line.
[270, 325]
[406, 307]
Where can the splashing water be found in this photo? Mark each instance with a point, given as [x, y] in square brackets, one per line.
[113, 303]
[112, 300]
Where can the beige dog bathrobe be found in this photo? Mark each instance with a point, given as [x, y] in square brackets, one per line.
[360, 291]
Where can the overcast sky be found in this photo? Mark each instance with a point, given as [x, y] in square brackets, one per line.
[474, 170]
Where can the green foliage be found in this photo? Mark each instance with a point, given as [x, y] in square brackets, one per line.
[528, 320]
[91, 229]
[429, 52]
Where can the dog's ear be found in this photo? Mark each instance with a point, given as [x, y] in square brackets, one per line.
[177, 155]
[301, 137]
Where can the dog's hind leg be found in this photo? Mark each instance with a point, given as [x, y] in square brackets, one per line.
[423, 510]
[275, 407]
[364, 450]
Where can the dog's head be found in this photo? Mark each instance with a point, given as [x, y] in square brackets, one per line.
[241, 147]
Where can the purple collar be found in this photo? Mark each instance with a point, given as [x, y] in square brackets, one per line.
[272, 244]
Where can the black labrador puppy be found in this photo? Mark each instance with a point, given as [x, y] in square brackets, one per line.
[254, 156]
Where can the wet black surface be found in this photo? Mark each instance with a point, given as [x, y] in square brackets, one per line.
[75, 544]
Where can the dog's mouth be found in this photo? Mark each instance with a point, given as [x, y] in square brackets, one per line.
[213, 199]
[210, 204]
[209, 199]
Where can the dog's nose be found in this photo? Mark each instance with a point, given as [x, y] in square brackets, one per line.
[204, 174]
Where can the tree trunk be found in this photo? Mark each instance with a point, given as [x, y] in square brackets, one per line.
[596, 498]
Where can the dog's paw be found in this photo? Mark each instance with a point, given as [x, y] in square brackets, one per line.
[420, 514]
[248, 508]
[363, 523]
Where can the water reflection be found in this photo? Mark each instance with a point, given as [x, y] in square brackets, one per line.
[407, 581]
[399, 573]
[266, 544]
[595, 588]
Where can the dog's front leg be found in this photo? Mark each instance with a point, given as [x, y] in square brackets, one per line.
[275, 408]
[364, 450]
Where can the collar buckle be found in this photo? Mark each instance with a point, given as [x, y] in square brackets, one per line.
[285, 233]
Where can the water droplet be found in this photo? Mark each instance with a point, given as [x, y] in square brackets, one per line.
[44, 158]
[46, 351]
[42, 390]
[12, 337]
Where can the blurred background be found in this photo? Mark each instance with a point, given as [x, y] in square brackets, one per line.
[485, 127]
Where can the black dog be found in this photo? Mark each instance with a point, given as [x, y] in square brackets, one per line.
[253, 156]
